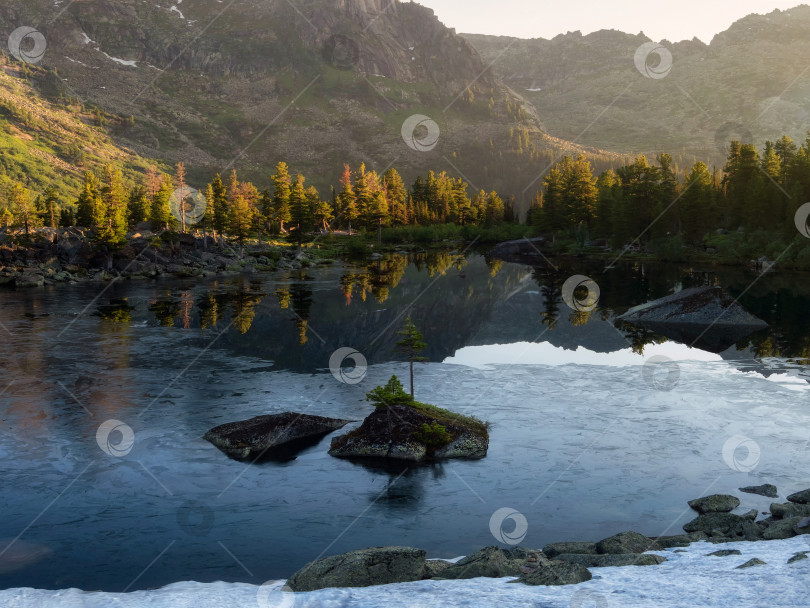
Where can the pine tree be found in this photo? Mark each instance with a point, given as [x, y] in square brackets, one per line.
[241, 220]
[22, 207]
[411, 344]
[139, 206]
[219, 204]
[89, 197]
[299, 208]
[182, 192]
[347, 204]
[110, 217]
[281, 195]
[161, 213]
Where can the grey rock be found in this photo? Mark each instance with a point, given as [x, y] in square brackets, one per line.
[797, 557]
[521, 247]
[389, 433]
[29, 280]
[715, 524]
[750, 515]
[725, 553]
[764, 490]
[554, 549]
[613, 559]
[627, 542]
[801, 498]
[363, 568]
[257, 436]
[679, 540]
[750, 563]
[556, 573]
[786, 528]
[716, 503]
[789, 509]
[435, 567]
[493, 562]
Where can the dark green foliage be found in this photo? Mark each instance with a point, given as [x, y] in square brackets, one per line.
[392, 393]
[433, 435]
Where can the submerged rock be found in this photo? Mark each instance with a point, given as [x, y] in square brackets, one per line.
[750, 563]
[767, 489]
[707, 317]
[261, 435]
[716, 503]
[725, 553]
[789, 509]
[362, 568]
[394, 432]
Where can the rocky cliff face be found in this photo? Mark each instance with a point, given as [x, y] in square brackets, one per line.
[316, 83]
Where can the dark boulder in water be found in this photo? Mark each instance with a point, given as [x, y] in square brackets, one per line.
[272, 435]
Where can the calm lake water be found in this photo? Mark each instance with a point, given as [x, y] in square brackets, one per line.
[583, 448]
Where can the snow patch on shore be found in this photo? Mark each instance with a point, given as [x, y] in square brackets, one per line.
[689, 579]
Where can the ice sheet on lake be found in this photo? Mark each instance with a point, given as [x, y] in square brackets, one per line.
[689, 579]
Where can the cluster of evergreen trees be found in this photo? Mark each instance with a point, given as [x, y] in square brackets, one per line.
[239, 209]
[756, 191]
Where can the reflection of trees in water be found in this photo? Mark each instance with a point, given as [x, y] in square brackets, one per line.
[244, 307]
[549, 284]
[301, 301]
[406, 481]
[165, 309]
[638, 337]
[377, 278]
[495, 266]
[117, 311]
[438, 262]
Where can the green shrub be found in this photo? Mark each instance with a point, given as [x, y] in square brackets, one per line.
[433, 435]
[393, 393]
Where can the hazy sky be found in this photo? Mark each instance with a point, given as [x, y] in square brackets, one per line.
[659, 19]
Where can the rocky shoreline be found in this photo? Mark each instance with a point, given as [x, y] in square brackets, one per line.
[67, 255]
[569, 563]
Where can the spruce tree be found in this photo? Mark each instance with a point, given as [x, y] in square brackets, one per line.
[411, 344]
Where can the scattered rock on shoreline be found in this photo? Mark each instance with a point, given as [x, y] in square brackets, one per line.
[362, 568]
[627, 542]
[716, 503]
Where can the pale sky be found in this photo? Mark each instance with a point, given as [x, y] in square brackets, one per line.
[659, 19]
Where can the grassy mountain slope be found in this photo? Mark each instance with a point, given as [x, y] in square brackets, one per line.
[315, 83]
[44, 143]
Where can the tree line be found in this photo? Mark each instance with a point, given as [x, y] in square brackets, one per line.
[756, 191]
[363, 200]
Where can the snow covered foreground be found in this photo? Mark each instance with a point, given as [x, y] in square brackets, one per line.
[689, 579]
